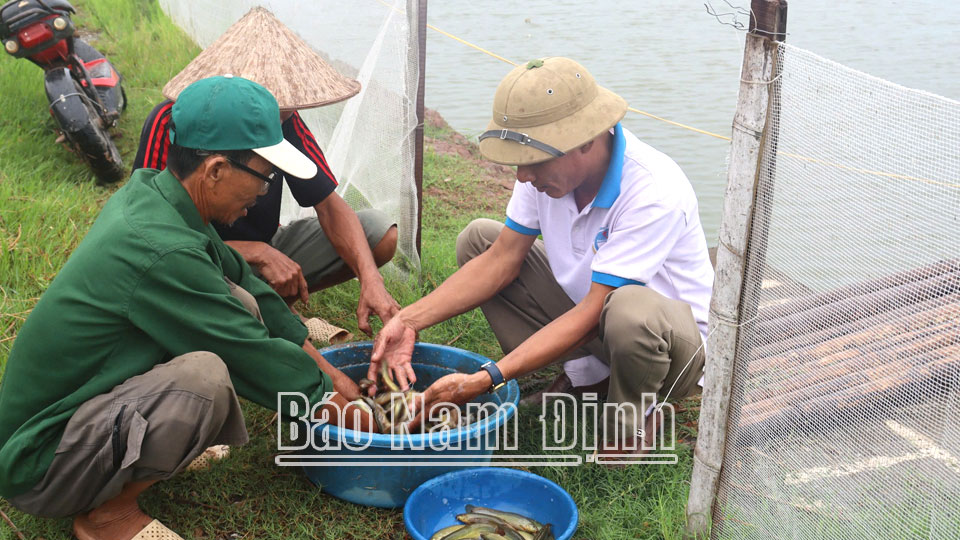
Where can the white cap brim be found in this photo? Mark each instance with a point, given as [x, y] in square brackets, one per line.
[287, 158]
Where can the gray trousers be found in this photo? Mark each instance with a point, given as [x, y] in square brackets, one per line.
[650, 342]
[150, 427]
[306, 244]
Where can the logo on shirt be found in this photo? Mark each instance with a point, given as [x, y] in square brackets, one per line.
[601, 238]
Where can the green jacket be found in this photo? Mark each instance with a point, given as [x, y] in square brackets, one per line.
[145, 285]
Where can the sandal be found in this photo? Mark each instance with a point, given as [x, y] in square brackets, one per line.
[156, 531]
[206, 459]
[322, 331]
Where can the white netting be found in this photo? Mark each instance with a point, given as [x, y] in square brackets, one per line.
[844, 404]
[368, 139]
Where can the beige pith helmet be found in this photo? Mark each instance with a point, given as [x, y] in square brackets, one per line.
[546, 108]
[261, 48]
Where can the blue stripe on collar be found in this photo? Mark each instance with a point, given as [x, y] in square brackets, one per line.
[610, 187]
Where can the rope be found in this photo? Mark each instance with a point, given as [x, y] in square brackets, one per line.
[512, 63]
[468, 44]
[868, 171]
[705, 132]
[678, 124]
[720, 322]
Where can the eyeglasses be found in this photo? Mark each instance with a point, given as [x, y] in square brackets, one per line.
[267, 180]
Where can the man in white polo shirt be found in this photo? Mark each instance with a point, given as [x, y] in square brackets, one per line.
[620, 284]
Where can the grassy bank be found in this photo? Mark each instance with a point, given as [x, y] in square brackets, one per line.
[48, 201]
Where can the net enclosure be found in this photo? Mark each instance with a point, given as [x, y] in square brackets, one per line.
[844, 403]
[369, 139]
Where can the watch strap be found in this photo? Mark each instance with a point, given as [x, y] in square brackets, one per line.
[495, 376]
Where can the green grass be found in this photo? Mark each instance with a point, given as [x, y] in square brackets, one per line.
[48, 200]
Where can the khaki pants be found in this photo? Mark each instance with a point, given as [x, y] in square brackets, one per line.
[150, 427]
[649, 341]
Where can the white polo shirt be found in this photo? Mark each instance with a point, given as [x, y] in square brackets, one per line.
[643, 227]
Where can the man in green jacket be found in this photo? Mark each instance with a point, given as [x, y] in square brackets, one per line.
[130, 364]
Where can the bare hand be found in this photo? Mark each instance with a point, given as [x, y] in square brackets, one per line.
[394, 345]
[282, 274]
[374, 300]
[456, 388]
[339, 412]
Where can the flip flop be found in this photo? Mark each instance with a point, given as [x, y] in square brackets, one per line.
[322, 331]
[156, 531]
[205, 459]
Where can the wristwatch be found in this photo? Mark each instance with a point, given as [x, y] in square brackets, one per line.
[495, 376]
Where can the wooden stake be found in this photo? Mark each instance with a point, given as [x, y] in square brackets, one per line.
[759, 59]
[418, 135]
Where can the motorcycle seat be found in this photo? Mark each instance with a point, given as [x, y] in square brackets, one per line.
[60, 5]
[16, 14]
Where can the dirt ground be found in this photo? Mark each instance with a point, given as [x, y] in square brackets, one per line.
[497, 180]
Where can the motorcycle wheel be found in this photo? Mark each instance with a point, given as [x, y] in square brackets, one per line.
[96, 147]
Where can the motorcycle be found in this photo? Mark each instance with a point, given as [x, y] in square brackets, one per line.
[83, 88]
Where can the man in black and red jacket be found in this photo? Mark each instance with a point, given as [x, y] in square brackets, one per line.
[305, 255]
[308, 254]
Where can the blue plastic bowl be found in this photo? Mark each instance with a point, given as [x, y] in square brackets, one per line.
[435, 504]
[389, 486]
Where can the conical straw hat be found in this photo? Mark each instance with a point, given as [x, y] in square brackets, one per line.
[260, 48]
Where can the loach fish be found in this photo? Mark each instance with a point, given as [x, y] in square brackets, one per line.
[387, 379]
[383, 398]
[471, 532]
[445, 531]
[509, 532]
[364, 384]
[393, 409]
[398, 405]
[492, 536]
[518, 522]
[362, 405]
[544, 533]
[378, 414]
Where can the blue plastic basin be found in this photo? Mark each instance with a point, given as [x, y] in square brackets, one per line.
[435, 504]
[389, 486]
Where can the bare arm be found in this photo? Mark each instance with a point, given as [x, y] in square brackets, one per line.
[569, 331]
[347, 391]
[343, 229]
[473, 284]
[341, 383]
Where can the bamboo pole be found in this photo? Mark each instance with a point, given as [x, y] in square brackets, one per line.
[765, 356]
[857, 289]
[878, 328]
[822, 375]
[858, 307]
[858, 394]
[767, 20]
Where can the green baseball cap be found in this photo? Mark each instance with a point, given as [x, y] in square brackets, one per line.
[233, 113]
